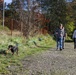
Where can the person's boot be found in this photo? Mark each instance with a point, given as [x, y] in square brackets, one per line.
[60, 49]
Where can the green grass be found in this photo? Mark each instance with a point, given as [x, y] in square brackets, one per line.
[26, 48]
[4, 28]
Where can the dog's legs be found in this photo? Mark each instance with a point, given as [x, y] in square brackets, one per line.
[12, 53]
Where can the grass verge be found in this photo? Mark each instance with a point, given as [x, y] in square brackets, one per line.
[26, 48]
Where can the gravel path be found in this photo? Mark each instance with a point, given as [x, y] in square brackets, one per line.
[50, 62]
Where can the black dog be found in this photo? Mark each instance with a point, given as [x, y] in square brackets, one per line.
[13, 49]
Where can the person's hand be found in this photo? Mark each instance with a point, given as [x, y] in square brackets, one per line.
[61, 35]
[56, 32]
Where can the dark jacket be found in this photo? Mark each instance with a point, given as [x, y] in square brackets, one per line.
[59, 33]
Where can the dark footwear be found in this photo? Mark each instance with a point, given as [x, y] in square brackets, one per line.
[60, 49]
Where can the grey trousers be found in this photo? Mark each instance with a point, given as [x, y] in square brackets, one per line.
[63, 42]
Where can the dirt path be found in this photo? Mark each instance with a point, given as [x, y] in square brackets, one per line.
[50, 62]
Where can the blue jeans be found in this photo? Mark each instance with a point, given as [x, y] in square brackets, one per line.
[59, 42]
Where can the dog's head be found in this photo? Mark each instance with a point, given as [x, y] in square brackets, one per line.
[10, 47]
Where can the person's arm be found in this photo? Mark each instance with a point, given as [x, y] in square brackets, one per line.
[56, 32]
[73, 34]
[66, 35]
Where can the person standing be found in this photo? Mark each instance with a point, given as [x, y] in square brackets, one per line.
[59, 37]
[64, 36]
[74, 38]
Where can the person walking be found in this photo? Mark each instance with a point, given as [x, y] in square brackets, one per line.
[64, 36]
[74, 38]
[59, 37]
